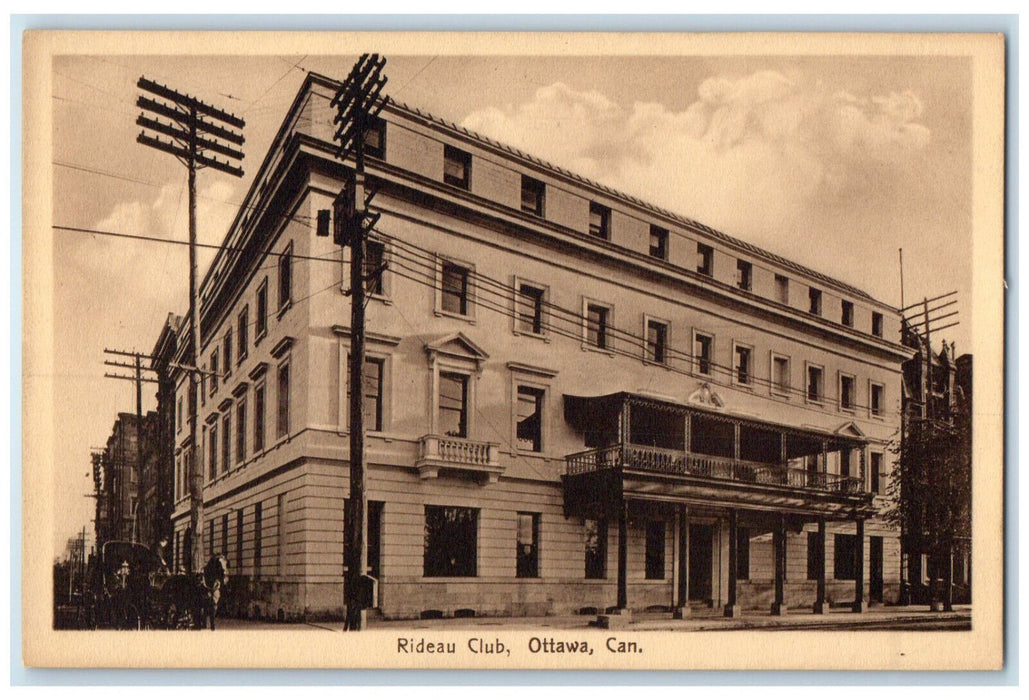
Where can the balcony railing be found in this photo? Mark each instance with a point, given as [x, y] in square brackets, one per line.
[443, 452]
[677, 462]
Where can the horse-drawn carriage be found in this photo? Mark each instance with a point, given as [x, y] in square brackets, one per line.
[130, 587]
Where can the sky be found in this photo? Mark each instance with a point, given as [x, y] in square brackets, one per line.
[835, 163]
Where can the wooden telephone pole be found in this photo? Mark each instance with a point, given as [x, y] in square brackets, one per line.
[196, 130]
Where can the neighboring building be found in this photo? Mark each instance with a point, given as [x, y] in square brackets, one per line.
[574, 400]
[116, 477]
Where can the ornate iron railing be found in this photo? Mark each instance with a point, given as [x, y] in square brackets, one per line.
[664, 461]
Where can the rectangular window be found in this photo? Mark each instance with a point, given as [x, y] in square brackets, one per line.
[451, 541]
[702, 347]
[227, 351]
[457, 166]
[528, 557]
[658, 242]
[453, 404]
[845, 557]
[596, 548]
[374, 256]
[780, 374]
[845, 462]
[876, 473]
[280, 544]
[214, 373]
[242, 327]
[782, 289]
[375, 538]
[375, 138]
[178, 414]
[876, 398]
[877, 324]
[241, 429]
[226, 441]
[847, 313]
[454, 291]
[742, 371]
[744, 275]
[815, 565]
[530, 309]
[596, 325]
[371, 389]
[600, 221]
[815, 300]
[533, 196]
[846, 392]
[530, 419]
[257, 539]
[239, 541]
[814, 383]
[225, 535]
[743, 553]
[705, 259]
[259, 417]
[261, 322]
[282, 422]
[286, 276]
[212, 444]
[655, 550]
[657, 341]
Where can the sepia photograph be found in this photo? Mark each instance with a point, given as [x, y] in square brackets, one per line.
[513, 351]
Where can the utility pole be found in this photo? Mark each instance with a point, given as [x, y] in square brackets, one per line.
[196, 130]
[357, 102]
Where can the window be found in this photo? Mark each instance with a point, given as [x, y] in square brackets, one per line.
[214, 373]
[705, 259]
[239, 541]
[225, 535]
[744, 275]
[375, 137]
[241, 429]
[814, 383]
[845, 461]
[280, 543]
[743, 553]
[259, 417]
[846, 392]
[226, 440]
[815, 299]
[261, 322]
[212, 444]
[877, 324]
[876, 473]
[528, 556]
[782, 289]
[282, 422]
[847, 313]
[876, 400]
[374, 538]
[451, 539]
[596, 548]
[596, 325]
[257, 539]
[530, 419]
[371, 389]
[658, 242]
[530, 309]
[374, 257]
[242, 326]
[655, 550]
[454, 289]
[845, 557]
[533, 195]
[742, 372]
[600, 221]
[815, 559]
[178, 414]
[227, 351]
[453, 404]
[657, 341]
[780, 374]
[457, 167]
[286, 277]
[702, 348]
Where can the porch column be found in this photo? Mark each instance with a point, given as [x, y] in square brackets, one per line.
[779, 552]
[686, 433]
[682, 603]
[860, 604]
[625, 422]
[623, 558]
[819, 607]
[732, 609]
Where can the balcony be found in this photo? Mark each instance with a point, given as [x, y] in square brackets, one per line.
[438, 452]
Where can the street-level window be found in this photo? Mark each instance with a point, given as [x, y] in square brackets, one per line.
[261, 322]
[596, 325]
[742, 371]
[453, 404]
[530, 309]
[600, 221]
[530, 418]
[239, 540]
[814, 383]
[705, 259]
[845, 557]
[814, 297]
[225, 535]
[258, 526]
[875, 399]
[259, 395]
[702, 348]
[457, 166]
[533, 196]
[782, 289]
[847, 313]
[846, 392]
[528, 561]
[743, 553]
[815, 562]
[595, 532]
[877, 324]
[451, 541]
[454, 292]
[282, 422]
[242, 328]
[658, 242]
[375, 509]
[657, 341]
[744, 275]
[655, 550]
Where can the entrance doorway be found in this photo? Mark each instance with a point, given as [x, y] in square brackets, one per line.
[875, 569]
[701, 538]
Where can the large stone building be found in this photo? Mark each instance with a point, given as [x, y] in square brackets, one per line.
[574, 400]
[116, 478]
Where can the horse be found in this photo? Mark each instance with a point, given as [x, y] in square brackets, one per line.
[190, 598]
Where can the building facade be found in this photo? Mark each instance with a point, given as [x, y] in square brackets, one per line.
[116, 478]
[574, 401]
